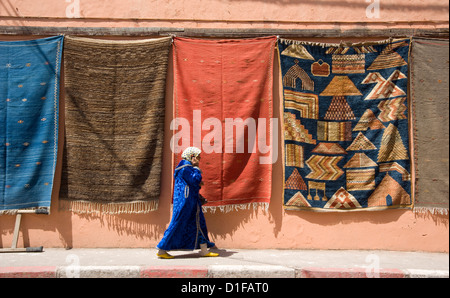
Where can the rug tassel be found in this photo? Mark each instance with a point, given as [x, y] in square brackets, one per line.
[341, 44]
[432, 210]
[83, 207]
[236, 207]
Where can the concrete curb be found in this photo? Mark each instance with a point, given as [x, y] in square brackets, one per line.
[174, 272]
[419, 273]
[28, 272]
[250, 271]
[212, 271]
[98, 272]
[350, 273]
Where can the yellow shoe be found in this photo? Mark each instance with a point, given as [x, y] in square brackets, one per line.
[211, 254]
[165, 256]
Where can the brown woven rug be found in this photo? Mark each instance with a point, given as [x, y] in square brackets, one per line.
[114, 124]
[430, 94]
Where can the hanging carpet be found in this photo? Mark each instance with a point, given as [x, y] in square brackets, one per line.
[114, 124]
[29, 119]
[346, 126]
[223, 98]
[430, 95]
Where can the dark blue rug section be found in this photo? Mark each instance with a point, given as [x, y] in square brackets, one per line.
[29, 101]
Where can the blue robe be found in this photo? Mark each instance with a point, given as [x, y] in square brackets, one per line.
[187, 229]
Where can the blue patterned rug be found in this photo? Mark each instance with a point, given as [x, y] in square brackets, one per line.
[346, 126]
[29, 100]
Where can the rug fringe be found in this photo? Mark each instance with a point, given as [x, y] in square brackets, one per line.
[432, 210]
[84, 207]
[8, 212]
[343, 43]
[122, 42]
[236, 207]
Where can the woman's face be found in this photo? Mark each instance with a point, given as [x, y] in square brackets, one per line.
[195, 161]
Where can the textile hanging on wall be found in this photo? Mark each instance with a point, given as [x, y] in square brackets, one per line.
[430, 96]
[115, 95]
[346, 126]
[29, 101]
[223, 102]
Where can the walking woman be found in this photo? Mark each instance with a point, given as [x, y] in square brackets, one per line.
[187, 229]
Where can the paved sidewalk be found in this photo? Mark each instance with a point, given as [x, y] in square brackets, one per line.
[232, 263]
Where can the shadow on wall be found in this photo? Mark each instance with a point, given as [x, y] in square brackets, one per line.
[439, 219]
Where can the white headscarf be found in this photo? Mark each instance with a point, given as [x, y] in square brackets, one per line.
[190, 152]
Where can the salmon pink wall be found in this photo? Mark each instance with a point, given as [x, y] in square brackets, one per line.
[276, 228]
[226, 13]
